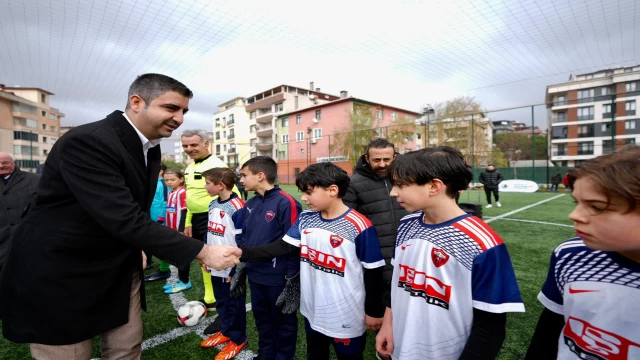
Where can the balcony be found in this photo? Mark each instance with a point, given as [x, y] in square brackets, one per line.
[585, 151]
[265, 146]
[586, 135]
[264, 131]
[264, 118]
[230, 122]
[585, 117]
[630, 112]
[265, 102]
[231, 136]
[558, 119]
[231, 151]
[560, 103]
[560, 152]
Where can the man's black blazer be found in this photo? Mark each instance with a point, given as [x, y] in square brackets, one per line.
[68, 274]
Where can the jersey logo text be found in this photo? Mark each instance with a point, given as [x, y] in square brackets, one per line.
[323, 262]
[589, 342]
[418, 284]
[439, 257]
[216, 229]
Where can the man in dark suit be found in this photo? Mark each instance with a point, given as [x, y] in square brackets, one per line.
[75, 266]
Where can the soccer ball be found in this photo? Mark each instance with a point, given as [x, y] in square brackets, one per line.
[192, 313]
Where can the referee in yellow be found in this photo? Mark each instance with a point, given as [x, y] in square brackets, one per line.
[196, 145]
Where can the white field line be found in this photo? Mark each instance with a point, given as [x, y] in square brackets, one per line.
[531, 221]
[499, 217]
[176, 301]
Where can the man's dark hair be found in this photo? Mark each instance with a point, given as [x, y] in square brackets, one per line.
[323, 175]
[422, 166]
[263, 164]
[490, 165]
[221, 175]
[380, 143]
[150, 86]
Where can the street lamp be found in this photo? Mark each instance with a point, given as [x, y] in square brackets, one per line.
[427, 111]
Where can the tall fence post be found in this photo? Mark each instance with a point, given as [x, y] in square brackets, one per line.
[533, 146]
[613, 123]
[473, 142]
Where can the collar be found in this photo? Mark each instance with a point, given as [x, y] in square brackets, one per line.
[271, 192]
[146, 143]
[201, 160]
[233, 196]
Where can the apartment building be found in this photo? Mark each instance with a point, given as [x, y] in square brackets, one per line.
[308, 136]
[29, 126]
[231, 138]
[263, 109]
[593, 114]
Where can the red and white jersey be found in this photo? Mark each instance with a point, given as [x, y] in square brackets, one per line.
[597, 292]
[332, 254]
[441, 272]
[176, 202]
[224, 225]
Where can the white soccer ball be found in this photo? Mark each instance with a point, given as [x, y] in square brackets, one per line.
[192, 313]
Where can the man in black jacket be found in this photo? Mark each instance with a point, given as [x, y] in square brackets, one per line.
[17, 188]
[368, 194]
[491, 178]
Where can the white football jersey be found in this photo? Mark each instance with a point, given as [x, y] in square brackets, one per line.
[225, 222]
[332, 254]
[441, 272]
[597, 292]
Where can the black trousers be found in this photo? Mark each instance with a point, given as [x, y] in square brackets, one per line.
[495, 194]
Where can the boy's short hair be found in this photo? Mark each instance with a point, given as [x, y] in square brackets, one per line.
[323, 175]
[163, 167]
[221, 175]
[616, 175]
[263, 164]
[380, 143]
[422, 166]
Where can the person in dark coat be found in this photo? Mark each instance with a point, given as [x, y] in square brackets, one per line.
[368, 194]
[491, 178]
[17, 188]
[555, 181]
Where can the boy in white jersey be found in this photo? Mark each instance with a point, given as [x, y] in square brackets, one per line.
[593, 285]
[226, 215]
[341, 266]
[452, 281]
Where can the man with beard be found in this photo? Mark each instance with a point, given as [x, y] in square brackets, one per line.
[368, 194]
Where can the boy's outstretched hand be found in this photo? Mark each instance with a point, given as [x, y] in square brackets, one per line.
[289, 299]
[214, 257]
[238, 287]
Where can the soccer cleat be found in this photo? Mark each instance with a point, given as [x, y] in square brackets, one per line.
[230, 350]
[210, 307]
[498, 204]
[168, 286]
[160, 275]
[214, 327]
[178, 287]
[489, 206]
[215, 340]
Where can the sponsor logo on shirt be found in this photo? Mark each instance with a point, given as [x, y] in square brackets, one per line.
[579, 291]
[335, 240]
[269, 215]
[589, 342]
[216, 229]
[418, 284]
[439, 257]
[324, 262]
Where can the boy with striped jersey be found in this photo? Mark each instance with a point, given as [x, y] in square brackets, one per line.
[226, 216]
[453, 281]
[341, 266]
[593, 285]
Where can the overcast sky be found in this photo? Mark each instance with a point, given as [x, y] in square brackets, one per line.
[400, 53]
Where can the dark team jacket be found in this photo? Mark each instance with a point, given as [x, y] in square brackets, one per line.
[267, 219]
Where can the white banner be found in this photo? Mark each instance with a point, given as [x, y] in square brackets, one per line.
[522, 186]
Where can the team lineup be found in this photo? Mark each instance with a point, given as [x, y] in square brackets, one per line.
[386, 253]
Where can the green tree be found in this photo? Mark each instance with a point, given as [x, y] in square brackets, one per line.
[352, 140]
[171, 164]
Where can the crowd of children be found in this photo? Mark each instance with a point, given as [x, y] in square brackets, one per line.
[453, 282]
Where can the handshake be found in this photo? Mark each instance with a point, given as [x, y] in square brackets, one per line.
[219, 257]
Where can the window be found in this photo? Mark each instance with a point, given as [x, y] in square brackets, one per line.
[52, 116]
[630, 125]
[53, 128]
[52, 140]
[285, 122]
[252, 115]
[630, 107]
[631, 141]
[605, 127]
[43, 98]
[43, 113]
[45, 152]
[27, 164]
[25, 150]
[279, 107]
[252, 129]
[408, 117]
[585, 95]
[285, 138]
[27, 109]
[25, 135]
[232, 133]
[418, 136]
[562, 150]
[44, 139]
[224, 147]
[394, 116]
[317, 134]
[217, 122]
[560, 117]
[231, 121]
[318, 114]
[25, 122]
[253, 142]
[585, 148]
[606, 109]
[295, 100]
[630, 87]
[282, 155]
[254, 154]
[218, 134]
[379, 114]
[585, 130]
[298, 119]
[44, 126]
[559, 132]
[585, 113]
[300, 136]
[217, 149]
[224, 134]
[560, 100]
[606, 91]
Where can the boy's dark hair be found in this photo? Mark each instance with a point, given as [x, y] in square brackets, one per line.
[163, 167]
[175, 172]
[221, 175]
[323, 175]
[150, 86]
[615, 175]
[263, 164]
[422, 166]
[380, 143]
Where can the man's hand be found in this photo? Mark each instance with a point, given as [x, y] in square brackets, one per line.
[238, 287]
[289, 299]
[188, 231]
[144, 260]
[213, 257]
[384, 339]
[233, 251]
[372, 323]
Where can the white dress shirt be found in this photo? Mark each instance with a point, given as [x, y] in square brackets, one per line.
[146, 143]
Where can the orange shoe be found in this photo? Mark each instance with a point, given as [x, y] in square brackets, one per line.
[230, 351]
[214, 340]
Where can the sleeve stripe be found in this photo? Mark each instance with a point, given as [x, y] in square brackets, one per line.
[462, 227]
[294, 210]
[356, 222]
[498, 308]
[374, 265]
[484, 226]
[289, 240]
[478, 234]
[364, 219]
[551, 305]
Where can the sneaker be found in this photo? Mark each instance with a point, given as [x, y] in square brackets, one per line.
[213, 328]
[178, 287]
[489, 206]
[210, 307]
[160, 275]
[230, 350]
[168, 286]
[498, 204]
[214, 340]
